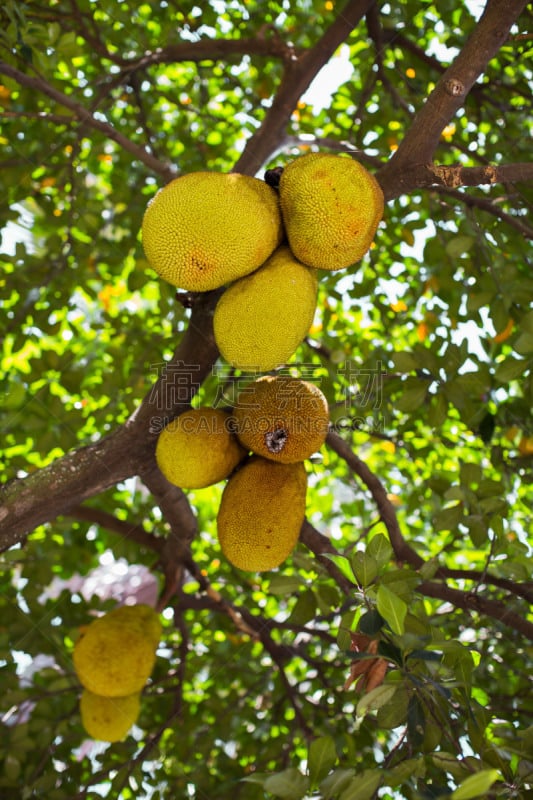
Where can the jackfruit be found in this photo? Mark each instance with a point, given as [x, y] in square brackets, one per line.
[331, 207]
[206, 229]
[109, 718]
[115, 654]
[281, 418]
[198, 448]
[261, 319]
[261, 513]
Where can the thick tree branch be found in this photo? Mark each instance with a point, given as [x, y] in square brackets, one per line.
[26, 503]
[421, 140]
[299, 74]
[438, 176]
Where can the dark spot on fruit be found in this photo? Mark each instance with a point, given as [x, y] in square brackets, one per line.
[276, 440]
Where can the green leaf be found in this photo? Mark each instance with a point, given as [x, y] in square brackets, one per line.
[447, 519]
[257, 777]
[304, 609]
[376, 698]
[412, 398]
[380, 549]
[343, 564]
[289, 784]
[392, 608]
[510, 369]
[416, 722]
[335, 783]
[404, 361]
[459, 245]
[285, 584]
[526, 323]
[321, 758]
[364, 567]
[410, 768]
[438, 410]
[523, 345]
[363, 785]
[476, 785]
[371, 622]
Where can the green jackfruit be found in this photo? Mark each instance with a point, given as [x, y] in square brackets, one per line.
[115, 654]
[206, 229]
[109, 718]
[261, 319]
[331, 207]
[198, 448]
[261, 513]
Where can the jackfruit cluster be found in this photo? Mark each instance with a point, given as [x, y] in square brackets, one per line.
[113, 658]
[265, 242]
[259, 448]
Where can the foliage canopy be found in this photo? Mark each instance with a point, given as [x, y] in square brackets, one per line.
[414, 562]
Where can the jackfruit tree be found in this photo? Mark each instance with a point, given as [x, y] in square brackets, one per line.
[202, 198]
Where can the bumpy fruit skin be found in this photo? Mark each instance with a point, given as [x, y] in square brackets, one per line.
[281, 418]
[198, 448]
[108, 718]
[331, 208]
[262, 318]
[261, 513]
[115, 654]
[206, 229]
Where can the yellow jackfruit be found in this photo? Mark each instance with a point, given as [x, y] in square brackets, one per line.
[206, 229]
[281, 418]
[331, 207]
[261, 513]
[198, 448]
[109, 718]
[115, 654]
[262, 318]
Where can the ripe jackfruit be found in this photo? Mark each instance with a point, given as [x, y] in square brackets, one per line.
[115, 654]
[281, 418]
[262, 318]
[198, 448]
[205, 229]
[109, 718]
[331, 208]
[261, 512]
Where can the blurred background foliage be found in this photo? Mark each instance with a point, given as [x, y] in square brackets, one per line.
[424, 353]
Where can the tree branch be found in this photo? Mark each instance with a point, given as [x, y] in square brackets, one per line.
[475, 602]
[420, 142]
[26, 503]
[438, 176]
[135, 533]
[402, 551]
[175, 551]
[319, 545]
[85, 116]
[485, 204]
[299, 74]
